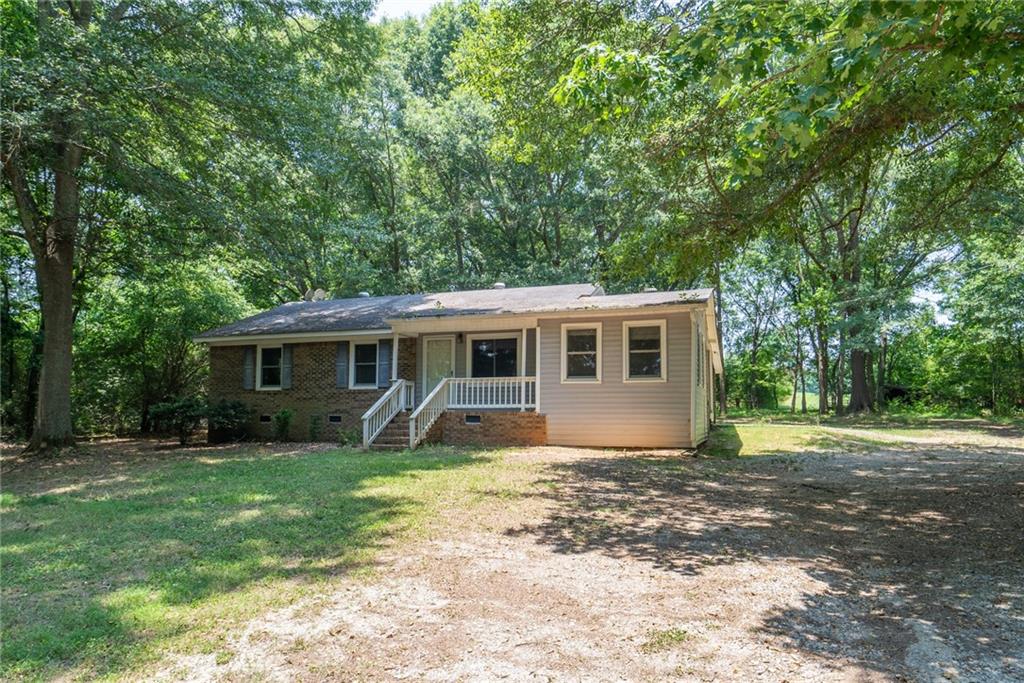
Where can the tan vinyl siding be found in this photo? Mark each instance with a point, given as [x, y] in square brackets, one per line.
[614, 413]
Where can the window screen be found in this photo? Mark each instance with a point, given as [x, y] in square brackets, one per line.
[365, 364]
[494, 357]
[270, 367]
[581, 354]
[644, 352]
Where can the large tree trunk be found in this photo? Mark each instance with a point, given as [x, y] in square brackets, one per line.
[860, 395]
[52, 241]
[53, 407]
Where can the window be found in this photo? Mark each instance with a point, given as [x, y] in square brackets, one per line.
[269, 371]
[472, 419]
[493, 357]
[643, 351]
[264, 418]
[581, 352]
[334, 419]
[364, 365]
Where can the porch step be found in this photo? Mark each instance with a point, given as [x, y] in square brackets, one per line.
[395, 435]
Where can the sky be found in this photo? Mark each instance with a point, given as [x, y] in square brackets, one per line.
[396, 9]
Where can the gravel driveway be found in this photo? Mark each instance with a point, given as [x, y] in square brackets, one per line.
[895, 562]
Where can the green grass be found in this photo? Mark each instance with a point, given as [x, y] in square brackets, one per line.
[110, 567]
[659, 641]
[732, 440]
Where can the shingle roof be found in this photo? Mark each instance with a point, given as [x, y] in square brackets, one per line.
[371, 313]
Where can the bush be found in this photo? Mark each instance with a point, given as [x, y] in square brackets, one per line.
[350, 437]
[282, 423]
[181, 416]
[226, 420]
[315, 424]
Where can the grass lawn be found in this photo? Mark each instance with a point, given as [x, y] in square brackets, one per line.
[110, 562]
[120, 554]
[766, 438]
[782, 433]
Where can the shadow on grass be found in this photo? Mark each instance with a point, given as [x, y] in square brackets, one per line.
[898, 543]
[131, 556]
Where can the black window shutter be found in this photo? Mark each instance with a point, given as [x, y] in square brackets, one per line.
[341, 365]
[286, 366]
[384, 363]
[249, 367]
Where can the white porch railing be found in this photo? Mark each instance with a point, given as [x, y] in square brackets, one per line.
[424, 417]
[396, 399]
[462, 393]
[492, 392]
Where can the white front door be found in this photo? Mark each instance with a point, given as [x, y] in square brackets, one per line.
[438, 361]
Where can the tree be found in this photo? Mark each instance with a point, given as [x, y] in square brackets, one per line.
[147, 98]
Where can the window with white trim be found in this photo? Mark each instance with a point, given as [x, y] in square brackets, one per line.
[643, 348]
[581, 352]
[269, 370]
[364, 365]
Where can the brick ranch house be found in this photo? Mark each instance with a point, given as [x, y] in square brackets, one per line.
[560, 365]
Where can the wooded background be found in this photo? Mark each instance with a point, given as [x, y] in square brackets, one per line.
[848, 174]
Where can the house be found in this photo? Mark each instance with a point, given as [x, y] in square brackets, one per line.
[560, 365]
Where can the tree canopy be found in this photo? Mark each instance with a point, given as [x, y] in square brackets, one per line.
[849, 174]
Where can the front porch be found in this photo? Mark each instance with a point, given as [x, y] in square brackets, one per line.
[473, 372]
[397, 420]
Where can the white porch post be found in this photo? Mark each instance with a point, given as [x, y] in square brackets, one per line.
[536, 369]
[394, 359]
[522, 374]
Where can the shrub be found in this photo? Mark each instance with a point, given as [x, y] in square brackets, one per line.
[315, 424]
[350, 437]
[226, 420]
[282, 423]
[181, 416]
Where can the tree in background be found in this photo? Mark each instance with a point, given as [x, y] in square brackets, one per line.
[147, 100]
[826, 166]
[794, 117]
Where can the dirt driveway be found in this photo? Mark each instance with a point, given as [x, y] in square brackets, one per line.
[899, 562]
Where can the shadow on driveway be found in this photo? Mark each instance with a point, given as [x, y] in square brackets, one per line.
[922, 550]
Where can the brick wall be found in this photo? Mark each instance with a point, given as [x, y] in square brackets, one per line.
[407, 359]
[496, 428]
[313, 392]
